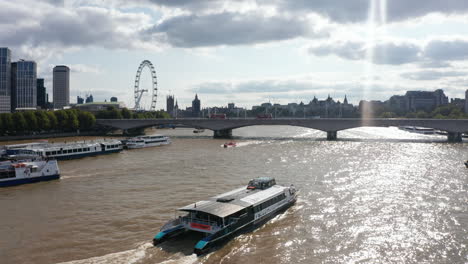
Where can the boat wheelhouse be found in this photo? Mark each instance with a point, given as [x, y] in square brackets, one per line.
[147, 141]
[66, 150]
[27, 171]
[228, 214]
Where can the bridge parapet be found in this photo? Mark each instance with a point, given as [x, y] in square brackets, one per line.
[331, 125]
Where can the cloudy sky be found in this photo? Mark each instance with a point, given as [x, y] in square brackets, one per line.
[245, 51]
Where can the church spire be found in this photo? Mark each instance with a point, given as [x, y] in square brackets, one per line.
[345, 100]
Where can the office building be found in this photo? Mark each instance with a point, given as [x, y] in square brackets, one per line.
[466, 101]
[113, 99]
[423, 100]
[23, 85]
[61, 86]
[5, 80]
[41, 94]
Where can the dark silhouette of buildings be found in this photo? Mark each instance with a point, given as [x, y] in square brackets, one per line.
[196, 107]
[423, 100]
[89, 98]
[170, 105]
[79, 100]
[113, 99]
[414, 101]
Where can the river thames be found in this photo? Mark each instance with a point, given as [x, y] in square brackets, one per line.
[376, 195]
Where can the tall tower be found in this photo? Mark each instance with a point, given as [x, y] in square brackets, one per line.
[61, 86]
[466, 101]
[196, 107]
[170, 104]
[23, 85]
[5, 80]
[41, 94]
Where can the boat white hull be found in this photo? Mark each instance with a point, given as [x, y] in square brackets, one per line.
[147, 145]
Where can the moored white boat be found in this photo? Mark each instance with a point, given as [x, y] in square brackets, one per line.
[419, 130]
[28, 171]
[62, 151]
[147, 141]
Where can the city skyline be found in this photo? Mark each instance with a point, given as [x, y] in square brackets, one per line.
[297, 51]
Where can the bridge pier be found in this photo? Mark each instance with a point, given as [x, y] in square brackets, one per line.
[225, 133]
[332, 135]
[454, 137]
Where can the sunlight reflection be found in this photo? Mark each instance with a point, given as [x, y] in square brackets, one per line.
[377, 17]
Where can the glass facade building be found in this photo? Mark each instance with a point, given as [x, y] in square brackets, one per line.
[61, 86]
[5, 80]
[41, 94]
[23, 85]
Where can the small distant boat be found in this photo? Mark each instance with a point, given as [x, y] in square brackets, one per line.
[226, 215]
[419, 130]
[198, 130]
[27, 171]
[147, 141]
[230, 144]
[466, 163]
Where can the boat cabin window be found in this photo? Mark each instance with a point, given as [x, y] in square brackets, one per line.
[7, 174]
[269, 202]
[261, 183]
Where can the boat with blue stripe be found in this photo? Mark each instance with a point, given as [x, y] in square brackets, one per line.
[27, 171]
[226, 215]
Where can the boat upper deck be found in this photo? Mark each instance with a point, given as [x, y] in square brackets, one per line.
[233, 201]
[64, 145]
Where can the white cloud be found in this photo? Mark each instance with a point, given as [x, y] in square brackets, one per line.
[432, 75]
[83, 68]
[434, 53]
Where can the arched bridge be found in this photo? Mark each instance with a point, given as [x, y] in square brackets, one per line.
[223, 127]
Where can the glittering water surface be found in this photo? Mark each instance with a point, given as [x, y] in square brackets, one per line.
[377, 195]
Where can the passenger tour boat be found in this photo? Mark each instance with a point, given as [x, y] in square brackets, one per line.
[147, 141]
[223, 216]
[63, 151]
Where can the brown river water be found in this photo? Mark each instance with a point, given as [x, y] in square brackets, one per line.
[377, 195]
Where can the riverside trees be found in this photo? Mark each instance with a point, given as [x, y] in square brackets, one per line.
[30, 122]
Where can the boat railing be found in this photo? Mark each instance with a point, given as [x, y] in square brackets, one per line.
[214, 225]
[171, 224]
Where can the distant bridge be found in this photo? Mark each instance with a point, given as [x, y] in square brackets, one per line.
[223, 127]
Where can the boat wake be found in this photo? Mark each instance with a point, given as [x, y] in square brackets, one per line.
[182, 260]
[124, 257]
[78, 176]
